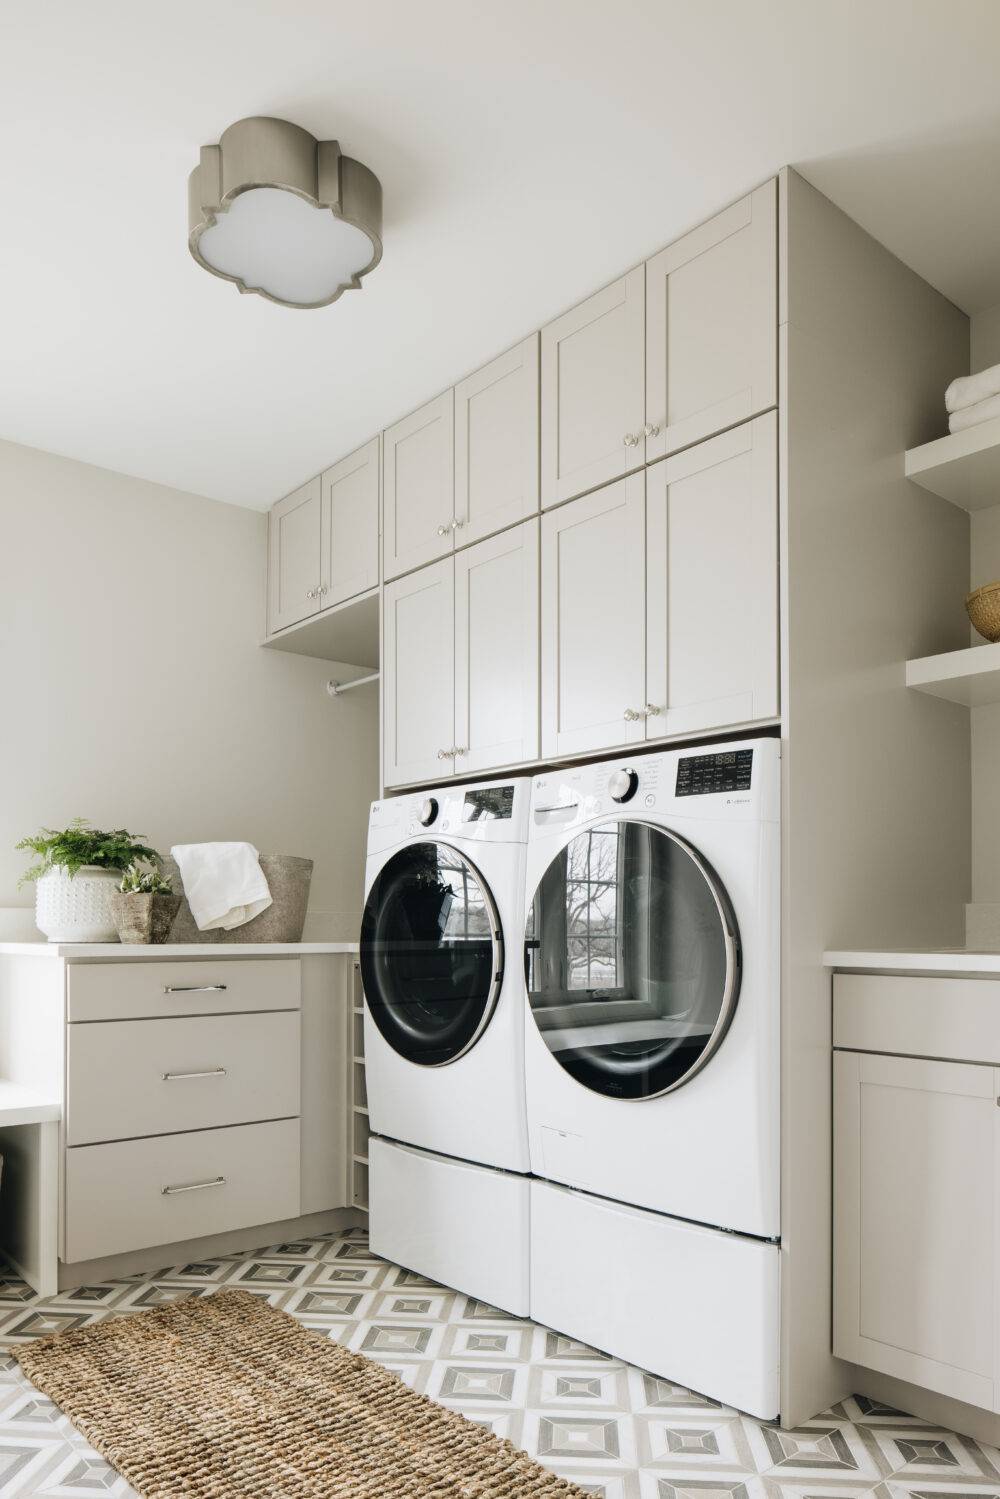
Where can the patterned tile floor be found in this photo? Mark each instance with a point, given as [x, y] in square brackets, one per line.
[611, 1428]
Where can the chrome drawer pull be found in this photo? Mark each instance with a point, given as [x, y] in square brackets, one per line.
[194, 988]
[218, 1181]
[171, 1077]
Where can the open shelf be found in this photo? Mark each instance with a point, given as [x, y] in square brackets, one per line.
[963, 467]
[971, 676]
[347, 633]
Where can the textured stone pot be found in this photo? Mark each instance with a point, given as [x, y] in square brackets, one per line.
[141, 917]
[78, 907]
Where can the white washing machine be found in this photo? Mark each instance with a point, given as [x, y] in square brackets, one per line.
[652, 1063]
[441, 944]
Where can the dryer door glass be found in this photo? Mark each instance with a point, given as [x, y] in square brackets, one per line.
[632, 959]
[431, 953]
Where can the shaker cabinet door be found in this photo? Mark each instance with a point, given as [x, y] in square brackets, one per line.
[593, 404]
[712, 583]
[593, 588]
[350, 526]
[496, 650]
[418, 643]
[418, 484]
[294, 557]
[496, 444]
[711, 325]
[915, 1225]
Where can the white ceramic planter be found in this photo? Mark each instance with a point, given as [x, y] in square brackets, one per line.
[78, 908]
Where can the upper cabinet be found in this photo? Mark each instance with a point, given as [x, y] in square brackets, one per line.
[712, 583]
[496, 444]
[712, 325]
[418, 462]
[418, 675]
[593, 401]
[294, 531]
[593, 625]
[350, 526]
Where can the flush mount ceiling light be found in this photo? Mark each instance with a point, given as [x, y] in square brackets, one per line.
[284, 215]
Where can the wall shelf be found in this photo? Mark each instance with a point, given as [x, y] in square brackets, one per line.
[963, 467]
[971, 676]
[347, 633]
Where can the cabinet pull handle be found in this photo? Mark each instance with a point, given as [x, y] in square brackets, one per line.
[650, 430]
[322, 589]
[457, 525]
[443, 530]
[446, 754]
[631, 439]
[632, 715]
[194, 988]
[172, 1077]
[217, 1181]
[652, 710]
[462, 749]
[310, 593]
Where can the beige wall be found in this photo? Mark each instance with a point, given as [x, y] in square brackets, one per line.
[985, 568]
[135, 693]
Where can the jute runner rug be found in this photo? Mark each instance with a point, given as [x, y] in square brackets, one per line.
[225, 1397]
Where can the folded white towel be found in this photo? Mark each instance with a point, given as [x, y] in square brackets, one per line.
[971, 416]
[969, 390]
[223, 882]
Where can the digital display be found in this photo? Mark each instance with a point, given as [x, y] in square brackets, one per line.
[488, 804]
[706, 775]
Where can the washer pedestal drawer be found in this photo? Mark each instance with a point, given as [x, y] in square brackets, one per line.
[697, 1306]
[135, 1193]
[462, 1225]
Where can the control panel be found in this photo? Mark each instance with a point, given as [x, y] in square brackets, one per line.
[707, 775]
[488, 804]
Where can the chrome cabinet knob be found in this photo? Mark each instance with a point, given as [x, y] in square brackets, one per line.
[322, 589]
[631, 439]
[457, 525]
[652, 710]
[443, 754]
[650, 431]
[443, 530]
[310, 593]
[461, 749]
[632, 715]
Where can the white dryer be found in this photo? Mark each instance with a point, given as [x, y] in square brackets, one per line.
[652, 1062]
[441, 943]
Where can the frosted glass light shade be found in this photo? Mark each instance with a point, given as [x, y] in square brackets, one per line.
[283, 215]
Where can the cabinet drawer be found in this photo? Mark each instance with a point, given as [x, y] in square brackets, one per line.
[154, 1077]
[211, 986]
[956, 1019]
[136, 1193]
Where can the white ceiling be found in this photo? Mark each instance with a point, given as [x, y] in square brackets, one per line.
[529, 150]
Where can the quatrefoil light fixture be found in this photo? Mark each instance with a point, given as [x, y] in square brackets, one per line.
[283, 215]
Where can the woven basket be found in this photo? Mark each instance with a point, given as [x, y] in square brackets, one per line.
[288, 879]
[983, 608]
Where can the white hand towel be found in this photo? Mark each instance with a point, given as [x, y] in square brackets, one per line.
[971, 416]
[223, 882]
[969, 390]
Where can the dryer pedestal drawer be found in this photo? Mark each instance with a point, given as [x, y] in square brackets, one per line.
[136, 1193]
[154, 1077]
[182, 986]
[462, 1225]
[694, 1305]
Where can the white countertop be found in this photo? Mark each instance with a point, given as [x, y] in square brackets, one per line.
[107, 950]
[942, 960]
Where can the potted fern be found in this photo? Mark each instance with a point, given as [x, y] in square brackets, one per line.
[76, 875]
[145, 905]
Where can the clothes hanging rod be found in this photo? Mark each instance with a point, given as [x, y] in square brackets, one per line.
[336, 688]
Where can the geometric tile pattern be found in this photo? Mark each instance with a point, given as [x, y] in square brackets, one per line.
[617, 1431]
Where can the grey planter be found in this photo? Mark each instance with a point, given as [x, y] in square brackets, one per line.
[288, 879]
[140, 917]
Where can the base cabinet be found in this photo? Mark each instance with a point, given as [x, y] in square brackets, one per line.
[916, 1200]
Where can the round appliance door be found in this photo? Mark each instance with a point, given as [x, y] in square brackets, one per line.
[431, 953]
[632, 960]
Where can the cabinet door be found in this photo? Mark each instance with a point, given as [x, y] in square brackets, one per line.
[496, 444]
[712, 583]
[496, 650]
[419, 487]
[593, 590]
[593, 402]
[418, 679]
[350, 526]
[915, 1236]
[293, 557]
[712, 325]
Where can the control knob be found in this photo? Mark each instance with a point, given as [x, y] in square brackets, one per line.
[427, 811]
[623, 785]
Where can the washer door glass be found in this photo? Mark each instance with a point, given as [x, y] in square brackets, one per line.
[632, 960]
[431, 953]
